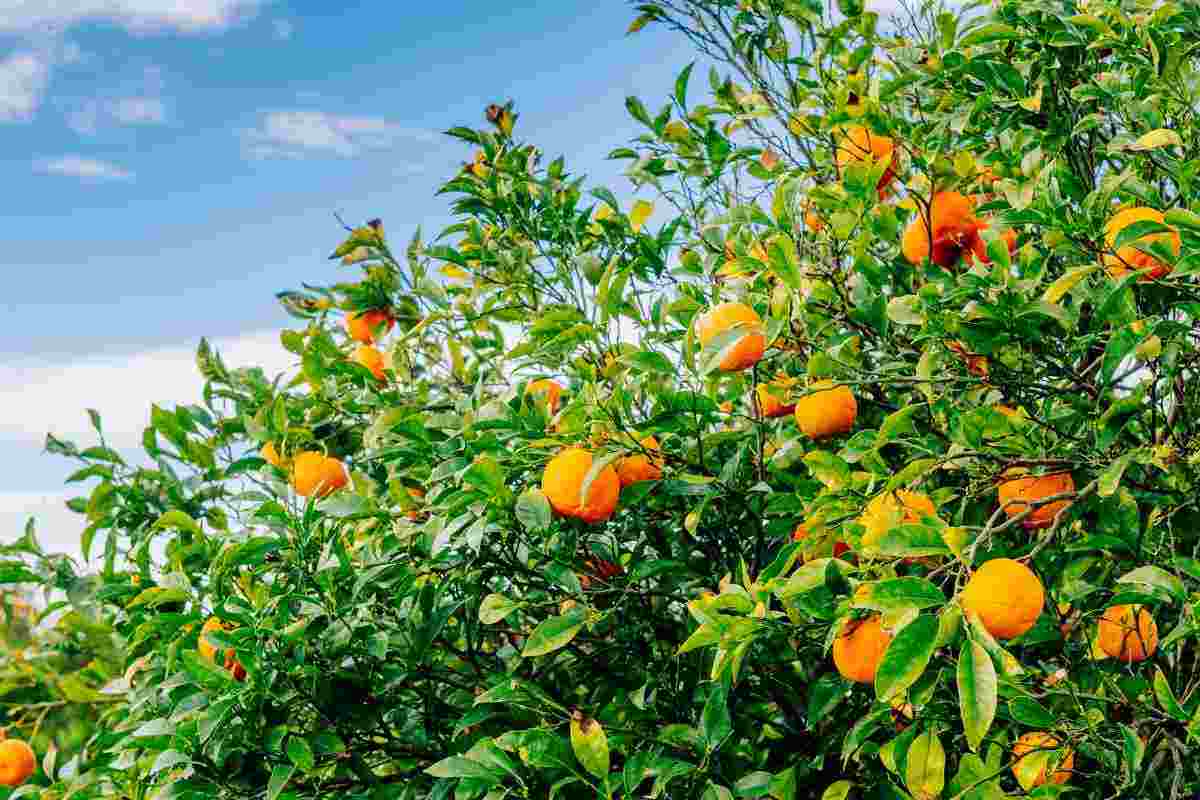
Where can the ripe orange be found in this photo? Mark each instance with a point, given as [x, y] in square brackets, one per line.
[1042, 741]
[859, 144]
[365, 326]
[812, 218]
[979, 246]
[1007, 597]
[17, 762]
[772, 397]
[367, 356]
[859, 648]
[827, 412]
[1017, 493]
[1007, 411]
[546, 390]
[1128, 633]
[317, 474]
[417, 494]
[562, 483]
[1129, 257]
[950, 228]
[640, 467]
[890, 509]
[208, 650]
[725, 317]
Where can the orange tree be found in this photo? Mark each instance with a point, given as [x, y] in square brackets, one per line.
[853, 457]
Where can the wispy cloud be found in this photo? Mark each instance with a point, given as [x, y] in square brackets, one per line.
[299, 134]
[37, 398]
[95, 114]
[140, 16]
[76, 166]
[23, 80]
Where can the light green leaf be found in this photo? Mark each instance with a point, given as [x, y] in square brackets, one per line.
[977, 691]
[906, 657]
[494, 608]
[925, 770]
[590, 744]
[554, 633]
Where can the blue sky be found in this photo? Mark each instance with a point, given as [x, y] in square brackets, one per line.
[169, 164]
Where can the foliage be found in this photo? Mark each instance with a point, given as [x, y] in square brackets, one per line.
[467, 642]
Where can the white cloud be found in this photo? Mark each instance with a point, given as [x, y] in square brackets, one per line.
[23, 80]
[38, 398]
[56, 527]
[296, 134]
[75, 166]
[140, 16]
[123, 111]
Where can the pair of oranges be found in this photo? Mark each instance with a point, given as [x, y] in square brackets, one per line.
[365, 327]
[313, 473]
[574, 491]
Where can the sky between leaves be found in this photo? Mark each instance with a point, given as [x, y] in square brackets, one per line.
[169, 164]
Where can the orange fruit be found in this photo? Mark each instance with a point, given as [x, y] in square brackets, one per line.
[317, 474]
[950, 229]
[747, 350]
[562, 483]
[1007, 411]
[208, 650]
[859, 144]
[640, 467]
[890, 509]
[1128, 633]
[367, 356]
[17, 762]
[859, 648]
[363, 327]
[827, 412]
[812, 218]
[271, 455]
[418, 495]
[1007, 597]
[1018, 492]
[1042, 741]
[772, 398]
[979, 246]
[1129, 257]
[547, 390]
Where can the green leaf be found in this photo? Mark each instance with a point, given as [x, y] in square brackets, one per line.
[590, 744]
[906, 657]
[828, 469]
[533, 510]
[1166, 698]
[300, 753]
[897, 424]
[1110, 478]
[462, 767]
[896, 593]
[1031, 713]
[977, 691]
[1134, 752]
[1150, 575]
[905, 310]
[838, 790]
[158, 595]
[717, 724]
[494, 608]
[925, 769]
[279, 778]
[1161, 137]
[554, 633]
[180, 520]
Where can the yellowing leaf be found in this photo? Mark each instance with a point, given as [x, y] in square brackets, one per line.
[1055, 291]
[1162, 137]
[455, 273]
[641, 212]
[590, 744]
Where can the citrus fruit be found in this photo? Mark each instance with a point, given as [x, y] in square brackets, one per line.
[208, 650]
[829, 411]
[1039, 741]
[563, 485]
[1021, 489]
[547, 391]
[364, 327]
[1129, 257]
[949, 230]
[17, 762]
[1128, 633]
[639, 466]
[891, 509]
[772, 398]
[367, 356]
[858, 143]
[1007, 597]
[859, 648]
[317, 474]
[740, 352]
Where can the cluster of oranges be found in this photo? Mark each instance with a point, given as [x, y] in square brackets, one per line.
[947, 230]
[365, 328]
[312, 473]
